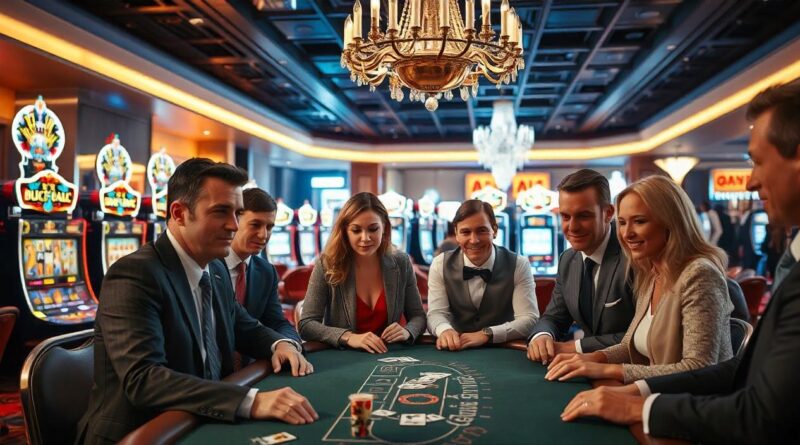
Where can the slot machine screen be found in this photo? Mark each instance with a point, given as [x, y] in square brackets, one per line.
[759, 229]
[117, 248]
[426, 241]
[397, 236]
[307, 243]
[323, 238]
[537, 241]
[279, 244]
[500, 238]
[50, 258]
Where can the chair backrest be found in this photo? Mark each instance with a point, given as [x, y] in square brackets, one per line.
[295, 284]
[734, 272]
[754, 289]
[8, 317]
[298, 312]
[544, 291]
[422, 284]
[736, 295]
[741, 331]
[281, 269]
[54, 387]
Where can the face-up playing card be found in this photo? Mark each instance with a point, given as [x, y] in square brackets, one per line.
[415, 386]
[403, 359]
[412, 420]
[383, 413]
[433, 418]
[272, 439]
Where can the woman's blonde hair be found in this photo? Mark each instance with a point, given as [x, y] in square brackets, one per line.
[338, 255]
[671, 207]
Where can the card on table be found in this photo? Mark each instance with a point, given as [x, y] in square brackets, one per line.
[383, 413]
[273, 439]
[412, 420]
[433, 418]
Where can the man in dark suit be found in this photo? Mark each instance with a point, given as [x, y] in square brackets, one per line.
[592, 289]
[751, 398]
[254, 279]
[168, 324]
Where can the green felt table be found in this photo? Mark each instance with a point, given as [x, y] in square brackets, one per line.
[492, 396]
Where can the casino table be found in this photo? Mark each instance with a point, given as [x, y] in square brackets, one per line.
[493, 395]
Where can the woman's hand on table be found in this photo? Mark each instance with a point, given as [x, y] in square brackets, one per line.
[368, 342]
[615, 404]
[569, 366]
[283, 404]
[394, 333]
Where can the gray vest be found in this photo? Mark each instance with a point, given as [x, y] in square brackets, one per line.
[496, 306]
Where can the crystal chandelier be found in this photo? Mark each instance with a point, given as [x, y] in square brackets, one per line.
[503, 146]
[431, 50]
[677, 167]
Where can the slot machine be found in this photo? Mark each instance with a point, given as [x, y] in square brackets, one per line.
[537, 229]
[307, 233]
[758, 230]
[326, 218]
[422, 246]
[445, 213]
[281, 249]
[160, 167]
[499, 201]
[113, 232]
[400, 210]
[44, 249]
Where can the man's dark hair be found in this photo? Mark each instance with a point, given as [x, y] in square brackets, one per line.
[784, 125]
[585, 178]
[473, 207]
[257, 200]
[187, 182]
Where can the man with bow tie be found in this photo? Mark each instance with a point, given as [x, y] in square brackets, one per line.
[479, 293]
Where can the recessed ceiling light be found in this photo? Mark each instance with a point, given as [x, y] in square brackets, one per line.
[197, 21]
[283, 61]
[671, 47]
[648, 14]
[206, 132]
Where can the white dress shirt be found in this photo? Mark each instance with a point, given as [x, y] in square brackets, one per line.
[523, 299]
[644, 389]
[597, 257]
[193, 274]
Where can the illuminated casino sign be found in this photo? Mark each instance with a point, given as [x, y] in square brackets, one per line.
[159, 169]
[306, 215]
[730, 183]
[537, 198]
[396, 203]
[284, 215]
[326, 217]
[522, 181]
[39, 137]
[496, 198]
[426, 206]
[114, 169]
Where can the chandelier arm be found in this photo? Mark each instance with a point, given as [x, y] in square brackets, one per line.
[400, 53]
[444, 42]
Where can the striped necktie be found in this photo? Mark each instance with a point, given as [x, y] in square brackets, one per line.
[212, 365]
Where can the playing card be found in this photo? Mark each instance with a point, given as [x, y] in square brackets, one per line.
[412, 420]
[433, 418]
[414, 386]
[383, 413]
[272, 439]
[406, 359]
[435, 375]
[403, 359]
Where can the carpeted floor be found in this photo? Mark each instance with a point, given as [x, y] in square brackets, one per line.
[11, 412]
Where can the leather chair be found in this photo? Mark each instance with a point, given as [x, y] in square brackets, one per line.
[281, 270]
[754, 289]
[741, 331]
[55, 385]
[544, 291]
[736, 295]
[294, 285]
[8, 317]
[422, 284]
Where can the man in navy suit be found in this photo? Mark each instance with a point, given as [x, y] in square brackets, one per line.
[751, 398]
[254, 279]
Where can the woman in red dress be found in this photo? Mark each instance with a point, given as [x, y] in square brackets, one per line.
[361, 286]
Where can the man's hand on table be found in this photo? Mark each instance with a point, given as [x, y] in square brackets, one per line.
[287, 352]
[622, 405]
[473, 339]
[449, 340]
[283, 404]
[543, 349]
[395, 333]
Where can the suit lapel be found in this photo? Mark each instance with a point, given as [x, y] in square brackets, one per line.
[180, 284]
[607, 271]
[390, 282]
[348, 289]
[255, 282]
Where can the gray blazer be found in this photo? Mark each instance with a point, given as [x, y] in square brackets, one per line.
[613, 300]
[329, 311]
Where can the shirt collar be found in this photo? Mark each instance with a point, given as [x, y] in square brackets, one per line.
[193, 270]
[597, 255]
[488, 264]
[795, 247]
[233, 260]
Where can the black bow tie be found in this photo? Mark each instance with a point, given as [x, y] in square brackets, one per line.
[472, 272]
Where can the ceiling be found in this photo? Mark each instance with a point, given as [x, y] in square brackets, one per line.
[593, 68]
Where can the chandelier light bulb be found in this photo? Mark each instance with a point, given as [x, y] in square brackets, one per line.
[677, 167]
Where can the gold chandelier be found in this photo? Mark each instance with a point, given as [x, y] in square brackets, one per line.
[432, 50]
